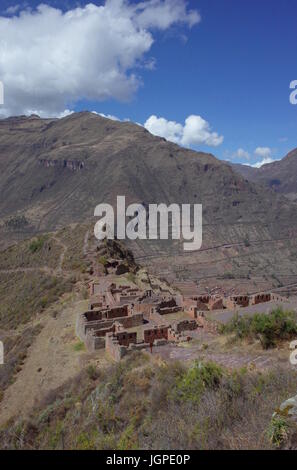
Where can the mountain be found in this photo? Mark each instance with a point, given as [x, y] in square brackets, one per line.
[55, 171]
[279, 175]
[248, 172]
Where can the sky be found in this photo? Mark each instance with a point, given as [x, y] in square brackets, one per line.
[211, 75]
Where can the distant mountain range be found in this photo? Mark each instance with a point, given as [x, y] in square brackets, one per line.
[53, 172]
[280, 175]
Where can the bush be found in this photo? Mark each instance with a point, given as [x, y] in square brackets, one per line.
[17, 222]
[92, 372]
[198, 378]
[80, 346]
[228, 276]
[278, 430]
[279, 325]
[37, 244]
[102, 260]
[132, 407]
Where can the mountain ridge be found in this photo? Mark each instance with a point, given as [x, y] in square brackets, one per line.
[55, 171]
[280, 175]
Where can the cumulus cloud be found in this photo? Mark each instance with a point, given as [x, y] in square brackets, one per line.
[263, 162]
[111, 116]
[195, 131]
[264, 152]
[50, 59]
[12, 10]
[266, 157]
[241, 153]
[170, 130]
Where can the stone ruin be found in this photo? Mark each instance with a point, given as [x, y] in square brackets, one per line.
[116, 310]
[202, 303]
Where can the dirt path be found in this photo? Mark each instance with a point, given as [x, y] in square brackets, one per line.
[86, 242]
[229, 356]
[45, 269]
[216, 247]
[62, 255]
[230, 359]
[51, 361]
[42, 269]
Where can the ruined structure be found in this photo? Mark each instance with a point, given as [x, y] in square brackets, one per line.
[200, 303]
[72, 165]
[124, 318]
[115, 311]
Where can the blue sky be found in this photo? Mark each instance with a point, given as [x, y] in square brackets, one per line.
[233, 68]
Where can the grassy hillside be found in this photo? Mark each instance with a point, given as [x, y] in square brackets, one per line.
[25, 294]
[139, 404]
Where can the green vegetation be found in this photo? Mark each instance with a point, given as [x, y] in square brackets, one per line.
[92, 372]
[228, 276]
[73, 238]
[79, 346]
[278, 430]
[30, 280]
[279, 325]
[246, 242]
[131, 277]
[102, 260]
[17, 222]
[138, 404]
[197, 380]
[37, 244]
[39, 252]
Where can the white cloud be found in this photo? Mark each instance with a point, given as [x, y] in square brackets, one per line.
[263, 162]
[241, 153]
[161, 14]
[108, 116]
[170, 130]
[264, 152]
[49, 59]
[41, 113]
[112, 117]
[195, 131]
[13, 9]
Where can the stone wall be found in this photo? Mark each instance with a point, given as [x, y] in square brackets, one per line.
[114, 348]
[72, 165]
[241, 300]
[94, 342]
[167, 310]
[158, 332]
[125, 338]
[184, 325]
[260, 298]
[208, 325]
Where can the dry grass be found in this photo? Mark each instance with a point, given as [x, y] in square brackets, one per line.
[38, 252]
[138, 404]
[24, 295]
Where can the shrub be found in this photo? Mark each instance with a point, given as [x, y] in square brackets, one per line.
[278, 430]
[17, 222]
[79, 346]
[199, 377]
[278, 325]
[102, 260]
[92, 372]
[37, 244]
[246, 242]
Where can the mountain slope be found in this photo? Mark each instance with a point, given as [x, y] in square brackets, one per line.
[54, 172]
[279, 175]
